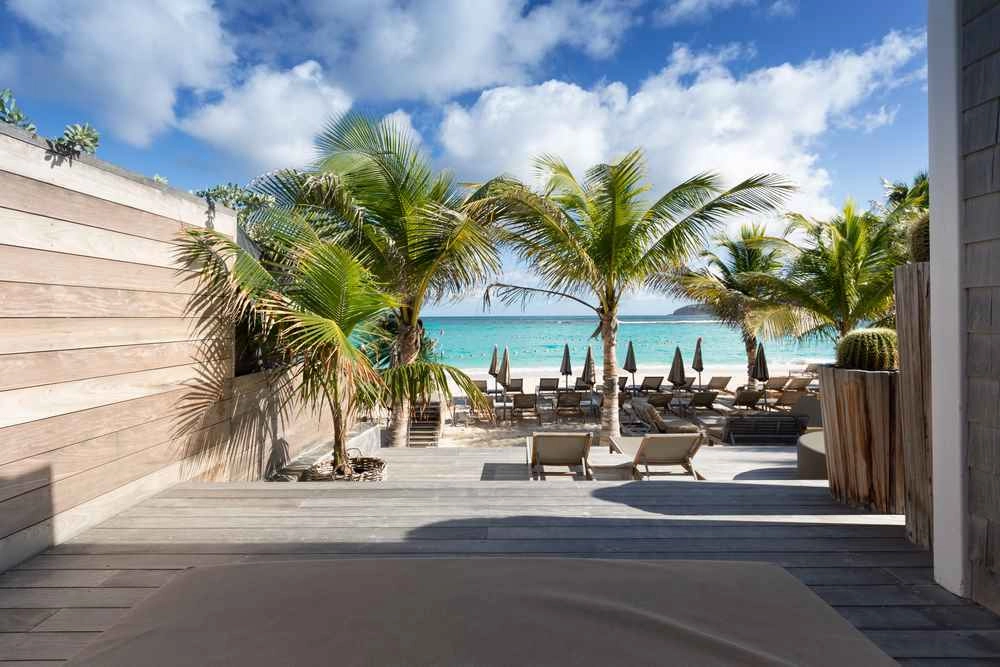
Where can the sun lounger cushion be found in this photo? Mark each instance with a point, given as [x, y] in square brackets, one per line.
[496, 611]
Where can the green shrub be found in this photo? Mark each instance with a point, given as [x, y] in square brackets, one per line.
[920, 238]
[868, 350]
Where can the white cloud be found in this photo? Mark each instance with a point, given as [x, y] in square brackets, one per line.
[696, 114]
[689, 11]
[404, 123]
[126, 60]
[872, 120]
[384, 49]
[783, 8]
[272, 117]
[675, 12]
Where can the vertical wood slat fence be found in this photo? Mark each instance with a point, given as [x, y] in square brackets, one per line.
[864, 456]
[912, 287]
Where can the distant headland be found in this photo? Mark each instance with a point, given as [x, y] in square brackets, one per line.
[693, 309]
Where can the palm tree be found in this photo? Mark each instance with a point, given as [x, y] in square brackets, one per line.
[842, 277]
[722, 284]
[320, 302]
[373, 191]
[906, 200]
[593, 242]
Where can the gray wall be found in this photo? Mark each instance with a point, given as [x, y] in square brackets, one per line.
[980, 230]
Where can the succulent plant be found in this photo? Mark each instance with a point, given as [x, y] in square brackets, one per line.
[868, 350]
[919, 238]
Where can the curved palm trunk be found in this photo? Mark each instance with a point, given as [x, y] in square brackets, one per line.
[338, 414]
[610, 422]
[750, 345]
[408, 347]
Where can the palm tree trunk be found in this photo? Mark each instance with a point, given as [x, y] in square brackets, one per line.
[750, 345]
[408, 346]
[610, 422]
[337, 412]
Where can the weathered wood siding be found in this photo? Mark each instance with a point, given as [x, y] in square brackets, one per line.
[981, 281]
[864, 457]
[912, 288]
[109, 389]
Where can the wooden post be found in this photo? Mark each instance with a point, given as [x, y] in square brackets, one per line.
[861, 433]
[912, 287]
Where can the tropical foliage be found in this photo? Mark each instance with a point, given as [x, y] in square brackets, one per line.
[373, 191]
[319, 301]
[840, 279]
[594, 241]
[12, 114]
[724, 284]
[246, 202]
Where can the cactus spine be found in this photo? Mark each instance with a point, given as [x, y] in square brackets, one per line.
[868, 350]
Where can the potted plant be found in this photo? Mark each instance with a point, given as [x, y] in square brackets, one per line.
[861, 421]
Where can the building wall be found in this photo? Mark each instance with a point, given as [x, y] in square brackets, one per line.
[109, 388]
[980, 245]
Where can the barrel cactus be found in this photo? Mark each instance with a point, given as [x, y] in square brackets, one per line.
[920, 238]
[868, 350]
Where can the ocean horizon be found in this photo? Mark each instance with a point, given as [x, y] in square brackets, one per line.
[535, 342]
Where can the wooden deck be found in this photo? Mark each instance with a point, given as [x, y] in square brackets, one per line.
[57, 602]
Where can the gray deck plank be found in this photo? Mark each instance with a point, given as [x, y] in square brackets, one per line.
[857, 561]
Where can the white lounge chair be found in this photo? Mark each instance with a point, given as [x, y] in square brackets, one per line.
[559, 449]
[667, 449]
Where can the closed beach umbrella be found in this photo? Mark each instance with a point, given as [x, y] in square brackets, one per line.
[503, 373]
[494, 367]
[760, 366]
[676, 376]
[630, 366]
[566, 368]
[696, 363]
[589, 375]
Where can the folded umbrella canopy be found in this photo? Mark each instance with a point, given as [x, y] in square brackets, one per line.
[676, 376]
[630, 366]
[503, 373]
[760, 366]
[589, 375]
[566, 368]
[494, 367]
[697, 364]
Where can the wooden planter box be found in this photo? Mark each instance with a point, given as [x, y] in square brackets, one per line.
[864, 455]
[913, 303]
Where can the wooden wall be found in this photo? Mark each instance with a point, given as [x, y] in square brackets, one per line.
[980, 232]
[109, 390]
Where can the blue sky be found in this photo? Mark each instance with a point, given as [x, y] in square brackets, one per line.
[831, 94]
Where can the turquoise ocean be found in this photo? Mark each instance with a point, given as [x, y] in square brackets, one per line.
[536, 342]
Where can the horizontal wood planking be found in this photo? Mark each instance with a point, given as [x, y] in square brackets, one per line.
[32, 196]
[36, 300]
[38, 505]
[51, 467]
[73, 333]
[32, 403]
[27, 159]
[27, 265]
[31, 369]
[23, 440]
[27, 230]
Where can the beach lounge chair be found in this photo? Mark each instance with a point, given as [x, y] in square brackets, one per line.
[703, 400]
[583, 385]
[660, 400]
[808, 406]
[547, 386]
[776, 384]
[516, 386]
[650, 383]
[488, 414]
[559, 449]
[787, 399]
[811, 369]
[719, 383]
[592, 403]
[773, 428]
[747, 398]
[568, 404]
[481, 385]
[525, 405]
[667, 449]
[798, 383]
[622, 382]
[689, 382]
